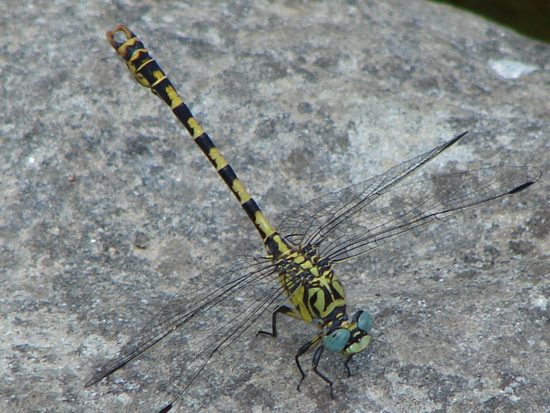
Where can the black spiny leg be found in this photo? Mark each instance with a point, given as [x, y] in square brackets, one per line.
[291, 312]
[346, 364]
[303, 350]
[316, 358]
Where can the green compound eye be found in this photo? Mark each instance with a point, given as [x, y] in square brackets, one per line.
[337, 340]
[365, 322]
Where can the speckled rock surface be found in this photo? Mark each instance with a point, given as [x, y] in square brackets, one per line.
[107, 208]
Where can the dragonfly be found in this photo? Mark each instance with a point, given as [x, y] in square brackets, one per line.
[295, 276]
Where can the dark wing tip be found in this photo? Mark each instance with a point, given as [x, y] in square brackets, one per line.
[535, 175]
[456, 139]
[521, 187]
[167, 408]
[96, 378]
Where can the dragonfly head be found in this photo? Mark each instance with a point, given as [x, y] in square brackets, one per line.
[351, 336]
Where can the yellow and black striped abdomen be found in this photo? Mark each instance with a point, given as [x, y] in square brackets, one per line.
[149, 74]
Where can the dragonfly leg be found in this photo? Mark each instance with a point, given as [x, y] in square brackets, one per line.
[346, 364]
[303, 350]
[316, 359]
[291, 312]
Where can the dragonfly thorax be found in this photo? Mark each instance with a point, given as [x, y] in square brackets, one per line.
[317, 296]
[311, 286]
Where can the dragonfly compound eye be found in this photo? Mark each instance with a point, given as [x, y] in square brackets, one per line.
[365, 322]
[337, 340]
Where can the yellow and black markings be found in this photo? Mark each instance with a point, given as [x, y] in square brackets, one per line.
[295, 277]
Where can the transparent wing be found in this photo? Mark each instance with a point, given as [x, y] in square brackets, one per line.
[409, 206]
[305, 225]
[208, 315]
[362, 217]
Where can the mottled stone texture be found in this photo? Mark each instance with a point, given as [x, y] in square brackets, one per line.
[107, 208]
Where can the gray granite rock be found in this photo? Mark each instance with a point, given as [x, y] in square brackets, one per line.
[107, 208]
